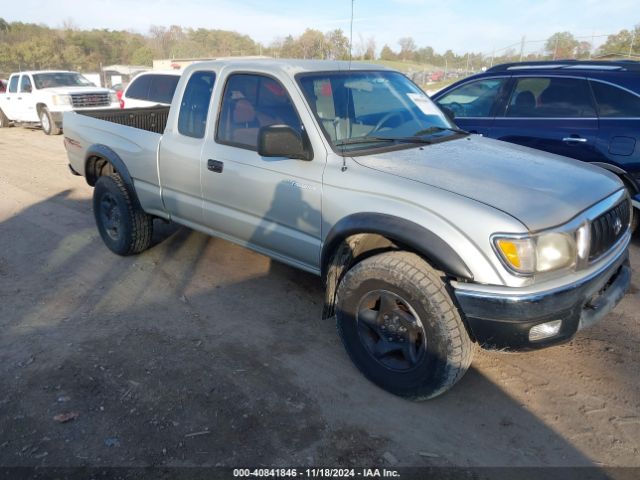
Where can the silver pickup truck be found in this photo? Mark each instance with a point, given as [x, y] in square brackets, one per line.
[428, 239]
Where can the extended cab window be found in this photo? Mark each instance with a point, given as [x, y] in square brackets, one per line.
[25, 84]
[475, 99]
[551, 97]
[194, 108]
[615, 102]
[13, 84]
[251, 102]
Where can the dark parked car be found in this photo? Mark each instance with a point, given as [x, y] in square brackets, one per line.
[3, 85]
[581, 109]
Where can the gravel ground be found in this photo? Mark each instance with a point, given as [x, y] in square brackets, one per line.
[201, 353]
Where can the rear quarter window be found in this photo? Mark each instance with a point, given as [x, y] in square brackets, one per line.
[139, 88]
[162, 88]
[614, 102]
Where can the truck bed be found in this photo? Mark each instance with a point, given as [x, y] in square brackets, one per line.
[152, 119]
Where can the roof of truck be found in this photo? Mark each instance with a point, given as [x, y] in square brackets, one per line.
[31, 72]
[291, 66]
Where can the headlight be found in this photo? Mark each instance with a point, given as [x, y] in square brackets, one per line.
[62, 99]
[113, 97]
[543, 252]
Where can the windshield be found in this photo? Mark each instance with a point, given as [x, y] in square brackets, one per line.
[367, 109]
[60, 79]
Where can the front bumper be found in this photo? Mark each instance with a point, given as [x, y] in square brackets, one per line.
[503, 321]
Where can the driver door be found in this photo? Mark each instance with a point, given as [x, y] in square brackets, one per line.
[475, 103]
[270, 204]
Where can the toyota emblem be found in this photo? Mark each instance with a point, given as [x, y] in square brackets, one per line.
[617, 225]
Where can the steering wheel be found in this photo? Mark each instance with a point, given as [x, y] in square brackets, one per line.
[384, 120]
[456, 108]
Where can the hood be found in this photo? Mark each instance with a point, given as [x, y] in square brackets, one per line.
[540, 189]
[72, 90]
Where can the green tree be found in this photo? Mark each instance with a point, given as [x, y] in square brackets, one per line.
[312, 43]
[387, 54]
[336, 45]
[561, 45]
[4, 26]
[142, 56]
[622, 43]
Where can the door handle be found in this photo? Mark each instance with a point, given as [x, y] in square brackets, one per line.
[215, 166]
[19, 98]
[574, 140]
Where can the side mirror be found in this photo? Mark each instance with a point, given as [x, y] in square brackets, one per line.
[449, 113]
[283, 141]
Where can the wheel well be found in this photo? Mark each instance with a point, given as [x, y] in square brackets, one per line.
[629, 184]
[349, 251]
[39, 107]
[97, 167]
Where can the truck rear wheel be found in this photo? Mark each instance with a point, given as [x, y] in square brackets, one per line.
[124, 227]
[49, 126]
[4, 120]
[400, 326]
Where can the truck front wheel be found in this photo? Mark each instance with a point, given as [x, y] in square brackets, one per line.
[124, 227]
[49, 126]
[400, 327]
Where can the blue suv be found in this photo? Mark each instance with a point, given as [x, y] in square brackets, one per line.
[580, 109]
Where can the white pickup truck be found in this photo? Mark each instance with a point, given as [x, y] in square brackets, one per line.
[42, 97]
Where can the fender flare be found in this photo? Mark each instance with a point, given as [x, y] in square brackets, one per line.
[113, 158]
[401, 231]
[620, 172]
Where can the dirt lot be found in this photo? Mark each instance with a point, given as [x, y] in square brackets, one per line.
[199, 352]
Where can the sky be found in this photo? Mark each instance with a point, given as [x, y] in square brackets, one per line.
[459, 25]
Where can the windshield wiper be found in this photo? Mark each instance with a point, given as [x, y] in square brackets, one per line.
[359, 140]
[435, 129]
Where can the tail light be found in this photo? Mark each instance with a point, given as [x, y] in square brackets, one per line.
[121, 103]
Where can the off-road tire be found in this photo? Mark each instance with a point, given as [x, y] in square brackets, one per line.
[4, 120]
[49, 126]
[448, 350]
[113, 204]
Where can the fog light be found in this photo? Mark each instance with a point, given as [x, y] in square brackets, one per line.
[544, 330]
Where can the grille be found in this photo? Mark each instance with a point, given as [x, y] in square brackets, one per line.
[608, 228]
[87, 100]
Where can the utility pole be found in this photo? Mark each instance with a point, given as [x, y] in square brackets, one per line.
[467, 71]
[493, 54]
[555, 50]
[593, 39]
[633, 39]
[522, 47]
